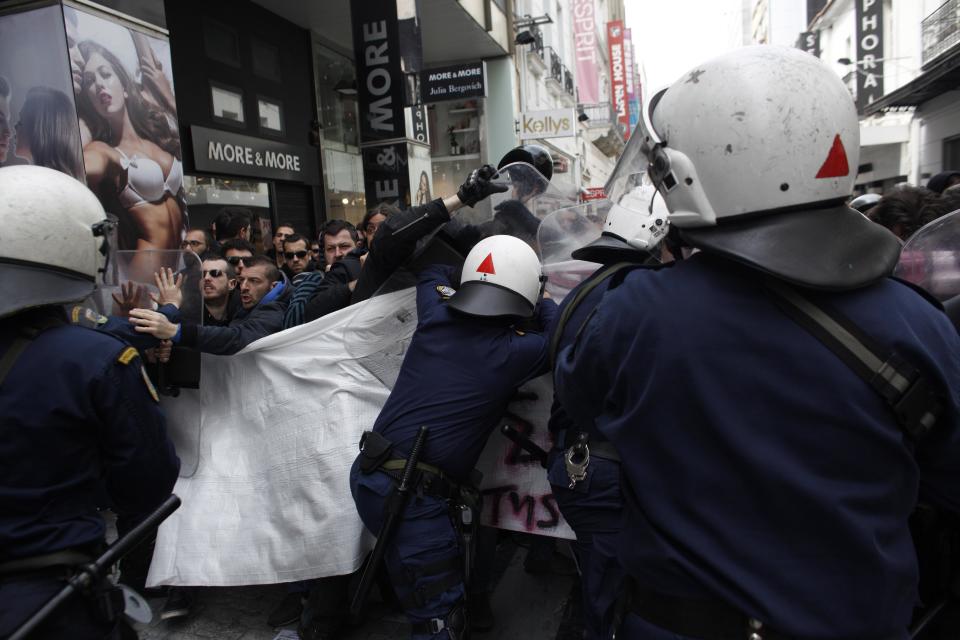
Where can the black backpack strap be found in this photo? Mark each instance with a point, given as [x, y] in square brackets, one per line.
[914, 400]
[596, 280]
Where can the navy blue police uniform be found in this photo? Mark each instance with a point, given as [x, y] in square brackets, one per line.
[79, 414]
[593, 506]
[762, 475]
[457, 377]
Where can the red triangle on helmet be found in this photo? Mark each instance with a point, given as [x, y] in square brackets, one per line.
[487, 265]
[836, 163]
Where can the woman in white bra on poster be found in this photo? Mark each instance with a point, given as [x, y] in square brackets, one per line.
[133, 162]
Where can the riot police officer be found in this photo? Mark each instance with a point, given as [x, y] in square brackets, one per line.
[79, 413]
[584, 468]
[777, 401]
[463, 365]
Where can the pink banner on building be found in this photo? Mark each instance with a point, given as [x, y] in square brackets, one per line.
[585, 50]
[618, 74]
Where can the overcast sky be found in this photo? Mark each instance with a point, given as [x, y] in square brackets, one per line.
[672, 36]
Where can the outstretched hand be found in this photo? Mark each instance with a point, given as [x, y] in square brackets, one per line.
[479, 185]
[154, 323]
[130, 296]
[169, 288]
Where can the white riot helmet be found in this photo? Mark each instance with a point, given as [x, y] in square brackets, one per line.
[755, 153]
[501, 277]
[51, 248]
[635, 225]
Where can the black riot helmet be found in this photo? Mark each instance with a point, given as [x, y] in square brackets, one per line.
[532, 154]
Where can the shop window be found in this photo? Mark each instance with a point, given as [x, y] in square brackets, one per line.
[951, 153]
[336, 83]
[221, 43]
[227, 104]
[271, 115]
[266, 60]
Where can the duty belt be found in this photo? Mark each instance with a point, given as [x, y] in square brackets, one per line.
[598, 448]
[56, 560]
[433, 481]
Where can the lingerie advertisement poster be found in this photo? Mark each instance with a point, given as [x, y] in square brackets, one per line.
[123, 84]
[38, 117]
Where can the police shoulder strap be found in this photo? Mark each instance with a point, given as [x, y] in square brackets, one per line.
[595, 281]
[913, 398]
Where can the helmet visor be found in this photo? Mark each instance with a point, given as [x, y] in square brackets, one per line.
[642, 155]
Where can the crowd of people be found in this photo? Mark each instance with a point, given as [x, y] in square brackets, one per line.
[747, 407]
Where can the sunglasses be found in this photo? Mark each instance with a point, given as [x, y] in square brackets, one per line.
[214, 273]
[235, 260]
[290, 255]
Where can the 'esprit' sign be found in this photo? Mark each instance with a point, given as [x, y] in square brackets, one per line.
[231, 153]
[869, 62]
[555, 123]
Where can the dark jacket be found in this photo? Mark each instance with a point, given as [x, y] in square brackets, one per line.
[245, 327]
[397, 240]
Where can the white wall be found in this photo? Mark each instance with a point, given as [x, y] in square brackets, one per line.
[941, 119]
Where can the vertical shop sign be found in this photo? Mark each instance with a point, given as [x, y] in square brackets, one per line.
[380, 88]
[869, 62]
[389, 56]
[809, 41]
[585, 50]
[618, 75]
[633, 82]
[385, 174]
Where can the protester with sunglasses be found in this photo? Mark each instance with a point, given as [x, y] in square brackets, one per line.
[237, 253]
[218, 283]
[296, 256]
[264, 294]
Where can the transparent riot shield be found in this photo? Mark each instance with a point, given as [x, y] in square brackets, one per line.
[527, 198]
[931, 257]
[129, 284]
[559, 235]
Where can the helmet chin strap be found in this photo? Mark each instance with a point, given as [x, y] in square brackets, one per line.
[103, 229]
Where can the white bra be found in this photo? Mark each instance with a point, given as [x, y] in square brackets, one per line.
[145, 181]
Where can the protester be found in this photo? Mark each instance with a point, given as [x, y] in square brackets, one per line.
[79, 416]
[755, 461]
[463, 365]
[373, 219]
[338, 238]
[275, 252]
[198, 241]
[218, 285]
[899, 210]
[296, 254]
[237, 253]
[943, 181]
[263, 298]
[233, 223]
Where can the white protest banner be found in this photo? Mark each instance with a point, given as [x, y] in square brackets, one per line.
[280, 426]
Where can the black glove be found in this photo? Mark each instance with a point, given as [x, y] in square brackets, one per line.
[478, 186]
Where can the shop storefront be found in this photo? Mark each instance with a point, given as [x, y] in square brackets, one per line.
[247, 114]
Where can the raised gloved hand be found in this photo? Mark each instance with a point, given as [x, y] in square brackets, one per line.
[479, 185]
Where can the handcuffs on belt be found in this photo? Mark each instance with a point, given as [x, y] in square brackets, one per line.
[576, 459]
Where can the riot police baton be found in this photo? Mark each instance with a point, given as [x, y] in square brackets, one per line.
[396, 503]
[92, 572]
[526, 444]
